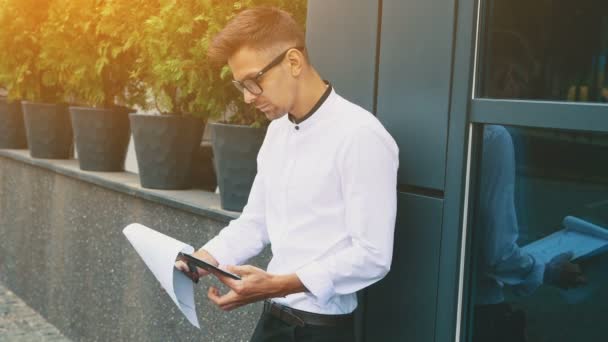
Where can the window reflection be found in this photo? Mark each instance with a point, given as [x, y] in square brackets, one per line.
[545, 50]
[534, 278]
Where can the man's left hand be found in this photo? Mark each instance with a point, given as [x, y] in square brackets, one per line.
[255, 285]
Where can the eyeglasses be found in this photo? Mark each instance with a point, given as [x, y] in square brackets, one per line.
[251, 83]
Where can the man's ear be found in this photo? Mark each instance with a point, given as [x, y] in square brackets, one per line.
[296, 62]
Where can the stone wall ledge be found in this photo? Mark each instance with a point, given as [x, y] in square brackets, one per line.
[199, 202]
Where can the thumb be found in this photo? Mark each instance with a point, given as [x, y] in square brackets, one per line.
[234, 269]
[240, 270]
[567, 256]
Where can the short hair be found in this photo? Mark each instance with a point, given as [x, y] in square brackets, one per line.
[259, 28]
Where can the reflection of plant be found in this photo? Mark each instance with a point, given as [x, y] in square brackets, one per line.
[20, 43]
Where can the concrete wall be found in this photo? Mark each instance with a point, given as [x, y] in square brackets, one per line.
[62, 250]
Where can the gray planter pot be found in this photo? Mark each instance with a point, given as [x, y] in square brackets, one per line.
[102, 137]
[12, 129]
[235, 149]
[48, 129]
[165, 146]
[203, 173]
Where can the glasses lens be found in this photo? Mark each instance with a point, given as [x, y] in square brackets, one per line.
[252, 87]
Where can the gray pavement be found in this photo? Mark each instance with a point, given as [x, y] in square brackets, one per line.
[20, 323]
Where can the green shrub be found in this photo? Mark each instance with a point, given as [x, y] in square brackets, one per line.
[89, 47]
[20, 44]
[173, 59]
[108, 52]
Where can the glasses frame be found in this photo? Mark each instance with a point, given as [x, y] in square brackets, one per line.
[242, 85]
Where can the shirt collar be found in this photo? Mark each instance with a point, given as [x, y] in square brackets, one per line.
[314, 109]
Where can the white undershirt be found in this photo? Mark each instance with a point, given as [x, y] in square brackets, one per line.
[325, 198]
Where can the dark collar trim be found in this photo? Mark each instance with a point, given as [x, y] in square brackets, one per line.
[316, 106]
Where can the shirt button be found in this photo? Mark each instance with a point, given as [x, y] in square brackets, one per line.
[297, 128]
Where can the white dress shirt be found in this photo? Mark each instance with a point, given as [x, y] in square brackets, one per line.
[324, 197]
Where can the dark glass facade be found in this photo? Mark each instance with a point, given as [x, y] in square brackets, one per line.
[540, 236]
[545, 50]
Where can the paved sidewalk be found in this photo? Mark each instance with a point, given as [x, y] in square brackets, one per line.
[20, 323]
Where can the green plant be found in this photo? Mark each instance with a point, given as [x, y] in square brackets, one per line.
[173, 61]
[22, 22]
[88, 51]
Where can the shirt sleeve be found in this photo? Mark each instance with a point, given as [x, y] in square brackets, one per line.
[504, 260]
[368, 169]
[246, 236]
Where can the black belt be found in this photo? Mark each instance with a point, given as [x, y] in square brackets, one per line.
[301, 318]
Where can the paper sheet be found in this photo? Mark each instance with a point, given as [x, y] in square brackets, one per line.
[159, 252]
[580, 237]
[585, 240]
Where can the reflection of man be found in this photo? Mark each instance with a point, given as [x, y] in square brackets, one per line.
[501, 263]
[324, 195]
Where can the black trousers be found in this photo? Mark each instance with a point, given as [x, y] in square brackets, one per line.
[499, 323]
[272, 329]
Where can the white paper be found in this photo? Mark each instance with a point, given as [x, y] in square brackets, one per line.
[579, 237]
[159, 252]
[582, 238]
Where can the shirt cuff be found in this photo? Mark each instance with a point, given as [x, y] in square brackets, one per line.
[533, 280]
[318, 282]
[220, 251]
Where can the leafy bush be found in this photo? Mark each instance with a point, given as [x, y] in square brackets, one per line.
[108, 52]
[20, 44]
[173, 59]
[89, 55]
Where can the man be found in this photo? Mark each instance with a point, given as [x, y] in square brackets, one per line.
[324, 195]
[501, 262]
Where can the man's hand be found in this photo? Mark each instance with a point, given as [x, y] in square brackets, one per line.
[255, 285]
[197, 272]
[562, 273]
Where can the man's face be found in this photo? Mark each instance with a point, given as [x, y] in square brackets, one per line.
[277, 83]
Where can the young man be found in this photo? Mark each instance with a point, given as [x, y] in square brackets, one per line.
[324, 195]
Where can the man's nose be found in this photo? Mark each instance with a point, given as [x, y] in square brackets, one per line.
[249, 97]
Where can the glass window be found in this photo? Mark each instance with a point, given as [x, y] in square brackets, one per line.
[540, 237]
[545, 50]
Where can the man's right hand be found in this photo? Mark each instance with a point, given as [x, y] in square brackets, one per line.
[562, 273]
[197, 272]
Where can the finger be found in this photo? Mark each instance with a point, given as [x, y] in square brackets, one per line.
[566, 256]
[214, 295]
[228, 300]
[231, 306]
[231, 283]
[187, 271]
[180, 265]
[240, 270]
[202, 272]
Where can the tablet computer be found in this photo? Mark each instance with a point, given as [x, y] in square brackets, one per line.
[191, 260]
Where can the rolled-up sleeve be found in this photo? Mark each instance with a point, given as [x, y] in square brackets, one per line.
[368, 163]
[245, 236]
